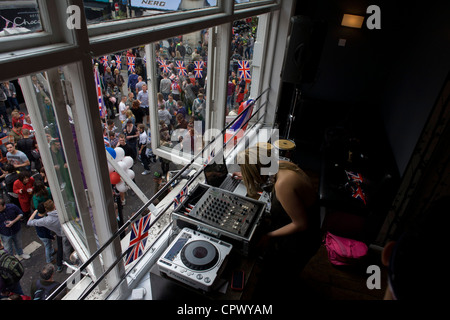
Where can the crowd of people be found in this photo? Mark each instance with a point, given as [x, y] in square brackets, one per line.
[181, 97]
[25, 194]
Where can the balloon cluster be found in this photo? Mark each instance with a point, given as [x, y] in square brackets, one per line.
[125, 162]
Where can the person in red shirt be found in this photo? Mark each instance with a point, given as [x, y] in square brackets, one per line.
[23, 187]
[17, 116]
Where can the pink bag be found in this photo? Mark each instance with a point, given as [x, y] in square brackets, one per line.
[343, 251]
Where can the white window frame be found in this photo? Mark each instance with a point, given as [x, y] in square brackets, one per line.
[53, 35]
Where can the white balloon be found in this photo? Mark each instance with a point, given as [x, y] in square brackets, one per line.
[123, 165]
[120, 153]
[130, 173]
[129, 161]
[121, 186]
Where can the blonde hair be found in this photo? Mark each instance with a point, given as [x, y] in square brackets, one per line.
[129, 113]
[15, 113]
[250, 163]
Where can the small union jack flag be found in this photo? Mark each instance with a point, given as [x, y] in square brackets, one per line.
[118, 61]
[164, 66]
[244, 70]
[131, 62]
[198, 69]
[359, 194]
[244, 112]
[104, 61]
[181, 68]
[355, 177]
[138, 239]
[180, 197]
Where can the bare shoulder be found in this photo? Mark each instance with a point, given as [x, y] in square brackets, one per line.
[291, 183]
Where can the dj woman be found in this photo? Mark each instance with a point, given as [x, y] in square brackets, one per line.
[291, 232]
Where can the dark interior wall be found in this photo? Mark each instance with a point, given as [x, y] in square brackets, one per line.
[348, 74]
[347, 80]
[415, 79]
[389, 77]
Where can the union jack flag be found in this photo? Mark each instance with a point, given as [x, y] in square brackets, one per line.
[245, 111]
[101, 104]
[198, 70]
[164, 66]
[181, 68]
[118, 61]
[131, 64]
[355, 177]
[359, 194]
[104, 61]
[180, 197]
[138, 239]
[244, 70]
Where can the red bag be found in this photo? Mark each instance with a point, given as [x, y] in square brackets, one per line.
[344, 251]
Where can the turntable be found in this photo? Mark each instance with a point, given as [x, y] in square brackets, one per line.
[194, 259]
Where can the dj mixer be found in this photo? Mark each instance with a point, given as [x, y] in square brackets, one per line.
[220, 213]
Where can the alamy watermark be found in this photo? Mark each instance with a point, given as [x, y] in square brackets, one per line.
[74, 19]
[374, 279]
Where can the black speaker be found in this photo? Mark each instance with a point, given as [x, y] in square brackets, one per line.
[303, 50]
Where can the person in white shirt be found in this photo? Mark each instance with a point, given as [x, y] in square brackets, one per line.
[123, 110]
[142, 149]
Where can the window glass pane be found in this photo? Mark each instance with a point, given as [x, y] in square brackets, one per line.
[123, 75]
[54, 138]
[181, 70]
[240, 71]
[104, 10]
[17, 17]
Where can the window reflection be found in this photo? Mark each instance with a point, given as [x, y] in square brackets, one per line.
[58, 154]
[19, 17]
